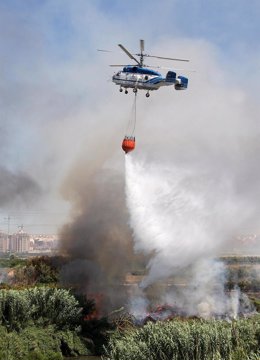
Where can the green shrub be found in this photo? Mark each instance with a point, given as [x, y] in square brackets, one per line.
[187, 340]
[38, 305]
[35, 343]
[35, 355]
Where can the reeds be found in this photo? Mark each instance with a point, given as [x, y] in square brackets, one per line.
[188, 340]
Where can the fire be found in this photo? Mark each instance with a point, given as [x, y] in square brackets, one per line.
[161, 313]
[95, 313]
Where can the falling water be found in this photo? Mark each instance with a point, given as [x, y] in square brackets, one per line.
[183, 219]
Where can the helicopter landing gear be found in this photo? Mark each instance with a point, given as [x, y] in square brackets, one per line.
[120, 89]
[135, 90]
[147, 94]
[126, 91]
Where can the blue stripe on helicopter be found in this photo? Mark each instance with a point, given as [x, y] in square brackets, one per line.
[155, 80]
[140, 70]
[151, 81]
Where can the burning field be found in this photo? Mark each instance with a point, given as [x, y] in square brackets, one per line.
[171, 217]
[173, 231]
[172, 222]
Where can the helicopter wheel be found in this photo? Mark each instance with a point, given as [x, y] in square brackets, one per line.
[135, 90]
[147, 94]
[120, 89]
[126, 91]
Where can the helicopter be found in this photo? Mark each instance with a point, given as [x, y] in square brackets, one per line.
[141, 77]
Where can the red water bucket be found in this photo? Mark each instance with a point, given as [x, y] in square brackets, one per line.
[128, 144]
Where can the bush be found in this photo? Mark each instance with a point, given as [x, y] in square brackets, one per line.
[188, 340]
[42, 306]
[37, 270]
[35, 355]
[35, 343]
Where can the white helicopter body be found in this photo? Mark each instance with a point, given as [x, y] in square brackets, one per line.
[141, 77]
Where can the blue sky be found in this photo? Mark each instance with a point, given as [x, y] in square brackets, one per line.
[228, 24]
[54, 80]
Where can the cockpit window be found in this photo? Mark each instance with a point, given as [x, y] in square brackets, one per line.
[139, 70]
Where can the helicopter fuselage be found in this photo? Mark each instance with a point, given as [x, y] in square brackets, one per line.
[142, 78]
[138, 78]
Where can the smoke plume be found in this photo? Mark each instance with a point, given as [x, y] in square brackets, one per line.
[97, 240]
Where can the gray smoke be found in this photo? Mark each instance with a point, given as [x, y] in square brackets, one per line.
[97, 240]
[17, 188]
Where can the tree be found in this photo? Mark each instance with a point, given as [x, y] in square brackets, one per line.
[42, 306]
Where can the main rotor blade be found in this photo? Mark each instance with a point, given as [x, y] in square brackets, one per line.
[158, 67]
[117, 65]
[166, 58]
[141, 46]
[128, 53]
[104, 50]
[167, 68]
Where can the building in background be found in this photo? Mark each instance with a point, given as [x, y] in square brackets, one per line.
[44, 243]
[19, 242]
[23, 243]
[4, 242]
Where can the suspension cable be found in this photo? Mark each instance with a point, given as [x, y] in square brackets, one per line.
[134, 124]
[130, 129]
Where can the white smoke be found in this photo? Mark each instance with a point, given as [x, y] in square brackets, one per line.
[182, 214]
[183, 217]
[204, 294]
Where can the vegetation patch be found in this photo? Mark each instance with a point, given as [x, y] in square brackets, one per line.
[40, 306]
[40, 344]
[48, 320]
[188, 340]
